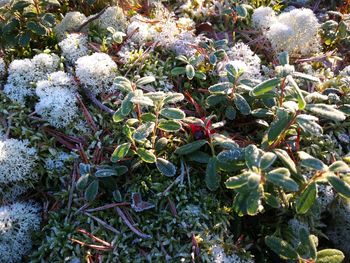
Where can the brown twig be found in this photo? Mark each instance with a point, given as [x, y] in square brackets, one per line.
[103, 223]
[107, 207]
[83, 231]
[92, 18]
[87, 115]
[130, 225]
[97, 102]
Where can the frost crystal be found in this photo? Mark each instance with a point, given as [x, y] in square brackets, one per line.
[96, 72]
[295, 31]
[17, 222]
[17, 161]
[57, 99]
[69, 24]
[74, 47]
[24, 73]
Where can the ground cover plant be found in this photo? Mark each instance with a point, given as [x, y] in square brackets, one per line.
[174, 131]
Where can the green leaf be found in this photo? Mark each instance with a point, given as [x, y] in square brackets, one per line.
[213, 100]
[267, 160]
[308, 125]
[264, 87]
[230, 112]
[247, 203]
[200, 75]
[166, 167]
[287, 161]
[305, 76]
[212, 179]
[190, 147]
[339, 167]
[118, 116]
[161, 144]
[24, 39]
[106, 172]
[281, 177]
[123, 84]
[278, 125]
[283, 58]
[146, 155]
[271, 200]
[300, 97]
[199, 157]
[230, 155]
[326, 111]
[120, 152]
[142, 100]
[173, 97]
[330, 256]
[252, 156]
[237, 181]
[307, 244]
[82, 182]
[241, 104]
[169, 125]
[49, 19]
[220, 88]
[148, 116]
[53, 2]
[311, 162]
[281, 247]
[253, 180]
[306, 199]
[241, 11]
[36, 28]
[144, 81]
[190, 72]
[20, 5]
[178, 71]
[213, 58]
[126, 105]
[339, 185]
[143, 131]
[172, 113]
[91, 191]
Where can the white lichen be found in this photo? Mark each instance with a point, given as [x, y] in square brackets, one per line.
[17, 222]
[241, 54]
[57, 99]
[74, 46]
[295, 31]
[17, 161]
[114, 17]
[24, 73]
[2, 68]
[96, 72]
[69, 24]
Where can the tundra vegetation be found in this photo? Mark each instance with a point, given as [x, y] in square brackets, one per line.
[174, 131]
